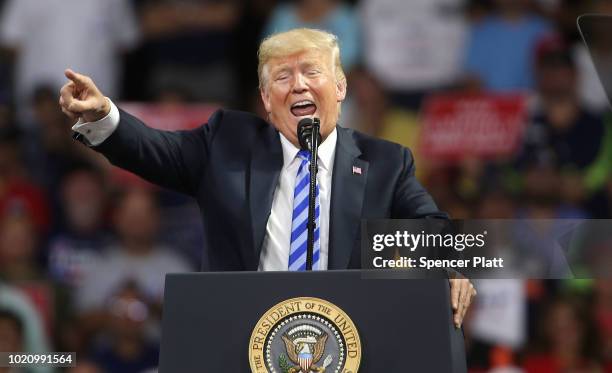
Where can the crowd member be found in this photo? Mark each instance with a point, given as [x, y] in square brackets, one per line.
[18, 193]
[413, 47]
[501, 47]
[568, 340]
[188, 44]
[84, 235]
[19, 245]
[20, 265]
[41, 38]
[562, 133]
[331, 15]
[123, 346]
[138, 256]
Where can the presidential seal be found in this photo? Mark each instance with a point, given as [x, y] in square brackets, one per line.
[305, 335]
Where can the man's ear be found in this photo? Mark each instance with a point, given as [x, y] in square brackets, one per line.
[340, 89]
[265, 98]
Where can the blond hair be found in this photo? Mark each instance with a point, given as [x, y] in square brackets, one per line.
[295, 41]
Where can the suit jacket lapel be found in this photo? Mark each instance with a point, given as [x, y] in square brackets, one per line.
[348, 187]
[266, 164]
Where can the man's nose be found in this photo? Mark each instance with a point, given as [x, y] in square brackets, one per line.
[299, 84]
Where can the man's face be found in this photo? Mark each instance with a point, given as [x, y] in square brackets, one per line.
[300, 86]
[137, 218]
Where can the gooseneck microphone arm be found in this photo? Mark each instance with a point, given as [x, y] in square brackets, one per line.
[309, 137]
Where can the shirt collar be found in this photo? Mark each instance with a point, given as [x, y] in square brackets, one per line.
[326, 151]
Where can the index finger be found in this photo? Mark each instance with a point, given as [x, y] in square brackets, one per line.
[76, 77]
[66, 93]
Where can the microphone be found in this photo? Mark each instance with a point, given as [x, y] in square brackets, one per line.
[305, 129]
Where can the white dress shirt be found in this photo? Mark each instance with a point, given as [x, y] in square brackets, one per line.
[275, 250]
[277, 241]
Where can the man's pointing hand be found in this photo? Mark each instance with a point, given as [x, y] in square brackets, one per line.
[80, 98]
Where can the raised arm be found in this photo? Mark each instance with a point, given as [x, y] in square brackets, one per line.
[173, 160]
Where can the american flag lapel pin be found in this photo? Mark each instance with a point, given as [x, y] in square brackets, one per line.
[356, 170]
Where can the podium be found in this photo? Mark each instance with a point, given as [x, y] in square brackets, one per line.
[228, 321]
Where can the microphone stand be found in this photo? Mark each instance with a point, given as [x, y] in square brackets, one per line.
[312, 223]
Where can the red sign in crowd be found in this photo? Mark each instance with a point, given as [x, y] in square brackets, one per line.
[481, 126]
[171, 117]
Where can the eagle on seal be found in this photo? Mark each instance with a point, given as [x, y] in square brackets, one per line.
[304, 354]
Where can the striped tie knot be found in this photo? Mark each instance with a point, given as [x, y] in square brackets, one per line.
[304, 155]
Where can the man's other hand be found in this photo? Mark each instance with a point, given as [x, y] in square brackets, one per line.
[80, 98]
[462, 293]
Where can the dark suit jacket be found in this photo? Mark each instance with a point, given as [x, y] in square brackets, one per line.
[231, 167]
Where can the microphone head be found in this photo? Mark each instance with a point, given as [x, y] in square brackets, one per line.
[304, 132]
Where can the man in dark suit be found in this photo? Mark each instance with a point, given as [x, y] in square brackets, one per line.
[249, 177]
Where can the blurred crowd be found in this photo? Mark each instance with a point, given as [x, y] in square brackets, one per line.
[83, 257]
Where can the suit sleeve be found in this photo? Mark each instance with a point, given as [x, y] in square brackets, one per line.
[411, 200]
[171, 159]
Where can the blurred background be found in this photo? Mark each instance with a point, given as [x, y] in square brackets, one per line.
[498, 99]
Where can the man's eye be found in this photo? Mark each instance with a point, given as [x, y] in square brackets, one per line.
[282, 77]
[313, 72]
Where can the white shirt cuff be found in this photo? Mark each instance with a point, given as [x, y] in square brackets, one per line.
[98, 131]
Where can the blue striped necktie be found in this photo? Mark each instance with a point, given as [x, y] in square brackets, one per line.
[299, 230]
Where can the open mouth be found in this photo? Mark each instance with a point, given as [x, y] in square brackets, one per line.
[303, 108]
